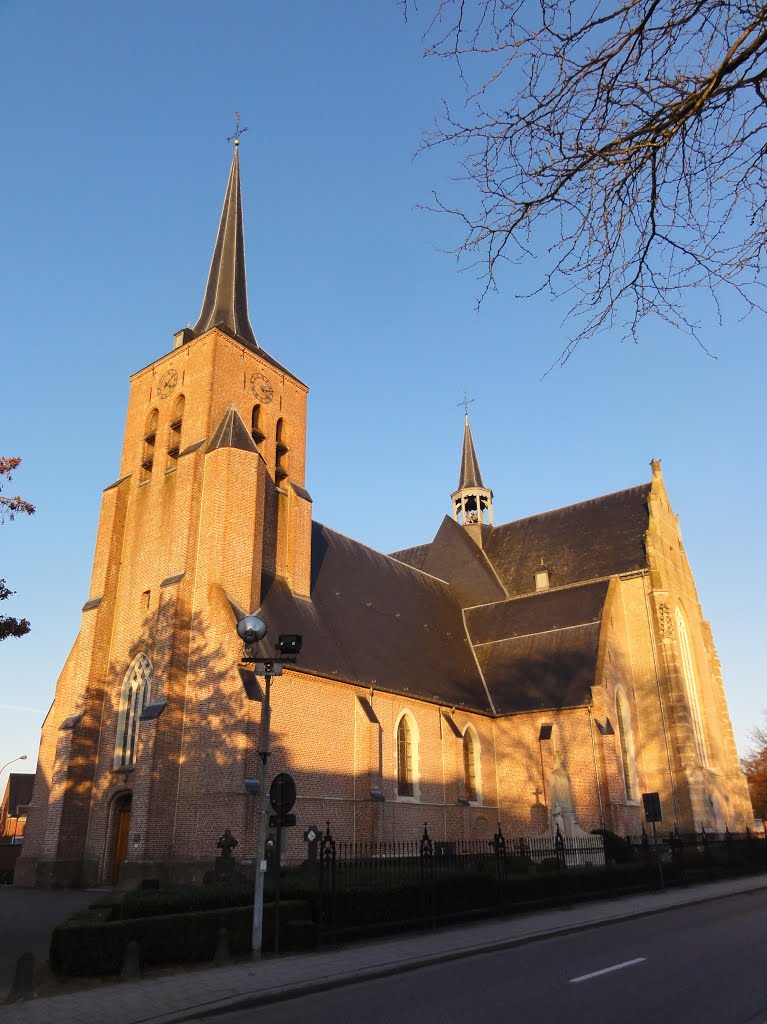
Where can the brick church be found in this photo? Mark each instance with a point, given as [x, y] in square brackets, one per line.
[542, 673]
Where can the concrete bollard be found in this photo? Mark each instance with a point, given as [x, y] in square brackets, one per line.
[131, 962]
[221, 956]
[23, 986]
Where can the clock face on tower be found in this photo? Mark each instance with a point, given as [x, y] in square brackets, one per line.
[167, 383]
[261, 388]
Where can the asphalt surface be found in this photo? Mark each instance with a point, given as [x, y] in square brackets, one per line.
[27, 918]
[704, 963]
[588, 961]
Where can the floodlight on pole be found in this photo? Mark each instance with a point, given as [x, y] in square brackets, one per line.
[251, 629]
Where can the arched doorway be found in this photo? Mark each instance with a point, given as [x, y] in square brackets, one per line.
[120, 834]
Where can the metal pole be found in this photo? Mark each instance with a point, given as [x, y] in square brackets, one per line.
[262, 824]
[657, 856]
[278, 853]
[21, 757]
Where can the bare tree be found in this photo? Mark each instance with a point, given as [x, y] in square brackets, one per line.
[10, 507]
[754, 764]
[624, 141]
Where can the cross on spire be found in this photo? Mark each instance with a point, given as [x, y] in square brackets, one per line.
[237, 130]
[466, 402]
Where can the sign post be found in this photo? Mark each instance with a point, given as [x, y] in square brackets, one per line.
[282, 797]
[652, 813]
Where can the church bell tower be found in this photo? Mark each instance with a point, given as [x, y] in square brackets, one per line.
[472, 501]
[208, 509]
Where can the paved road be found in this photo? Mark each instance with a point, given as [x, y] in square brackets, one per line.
[27, 918]
[703, 964]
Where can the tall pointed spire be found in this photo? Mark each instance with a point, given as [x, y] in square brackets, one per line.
[226, 299]
[470, 474]
[472, 501]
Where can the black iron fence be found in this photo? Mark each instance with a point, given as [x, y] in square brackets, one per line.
[377, 887]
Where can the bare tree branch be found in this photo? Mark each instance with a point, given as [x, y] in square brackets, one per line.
[634, 132]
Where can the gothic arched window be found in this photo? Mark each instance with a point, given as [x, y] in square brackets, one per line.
[691, 686]
[281, 453]
[626, 742]
[405, 758]
[133, 697]
[470, 764]
[150, 437]
[174, 436]
[256, 431]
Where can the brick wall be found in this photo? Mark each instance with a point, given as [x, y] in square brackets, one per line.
[182, 545]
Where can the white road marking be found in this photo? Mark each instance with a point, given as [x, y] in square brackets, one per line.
[606, 970]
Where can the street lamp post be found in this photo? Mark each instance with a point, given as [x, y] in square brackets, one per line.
[251, 630]
[21, 757]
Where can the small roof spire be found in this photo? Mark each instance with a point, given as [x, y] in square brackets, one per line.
[226, 299]
[472, 501]
[470, 474]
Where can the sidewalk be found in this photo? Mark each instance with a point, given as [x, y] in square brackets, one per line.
[197, 993]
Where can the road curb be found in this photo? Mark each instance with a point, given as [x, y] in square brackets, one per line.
[296, 990]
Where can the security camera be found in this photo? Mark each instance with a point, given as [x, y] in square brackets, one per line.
[251, 629]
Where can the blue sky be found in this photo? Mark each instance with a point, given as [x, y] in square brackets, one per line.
[115, 119]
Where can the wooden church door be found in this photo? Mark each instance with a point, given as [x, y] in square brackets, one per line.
[122, 831]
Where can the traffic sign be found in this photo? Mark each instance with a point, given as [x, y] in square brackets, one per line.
[282, 820]
[282, 793]
[651, 803]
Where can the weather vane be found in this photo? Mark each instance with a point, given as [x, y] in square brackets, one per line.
[466, 402]
[237, 130]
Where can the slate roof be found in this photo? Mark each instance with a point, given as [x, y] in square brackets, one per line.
[412, 556]
[587, 541]
[455, 558]
[469, 475]
[231, 432]
[541, 651]
[376, 621]
[226, 299]
[395, 622]
[541, 670]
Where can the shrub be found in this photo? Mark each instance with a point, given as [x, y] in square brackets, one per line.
[616, 848]
[84, 946]
[181, 899]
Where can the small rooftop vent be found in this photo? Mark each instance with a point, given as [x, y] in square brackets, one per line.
[542, 577]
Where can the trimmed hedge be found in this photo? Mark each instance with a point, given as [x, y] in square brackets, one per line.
[86, 946]
[182, 899]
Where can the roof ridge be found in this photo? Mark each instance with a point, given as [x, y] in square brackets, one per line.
[541, 594]
[575, 504]
[381, 554]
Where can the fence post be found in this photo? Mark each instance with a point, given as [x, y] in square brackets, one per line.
[427, 869]
[728, 841]
[706, 852]
[326, 918]
[677, 853]
[498, 843]
[609, 850]
[647, 860]
[559, 847]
